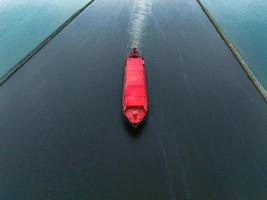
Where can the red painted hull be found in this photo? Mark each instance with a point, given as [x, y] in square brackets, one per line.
[134, 99]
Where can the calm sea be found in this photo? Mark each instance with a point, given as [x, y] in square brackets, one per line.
[245, 24]
[25, 23]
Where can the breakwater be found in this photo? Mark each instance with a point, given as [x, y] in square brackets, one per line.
[235, 52]
[28, 56]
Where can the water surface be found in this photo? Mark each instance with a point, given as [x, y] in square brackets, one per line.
[63, 137]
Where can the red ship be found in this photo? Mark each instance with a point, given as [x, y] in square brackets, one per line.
[134, 99]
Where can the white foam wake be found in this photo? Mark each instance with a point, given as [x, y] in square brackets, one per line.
[138, 21]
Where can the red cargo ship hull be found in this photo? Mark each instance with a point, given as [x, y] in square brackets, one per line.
[134, 99]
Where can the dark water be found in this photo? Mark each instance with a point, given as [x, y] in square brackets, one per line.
[62, 132]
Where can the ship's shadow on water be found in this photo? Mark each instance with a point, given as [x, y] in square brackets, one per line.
[134, 132]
